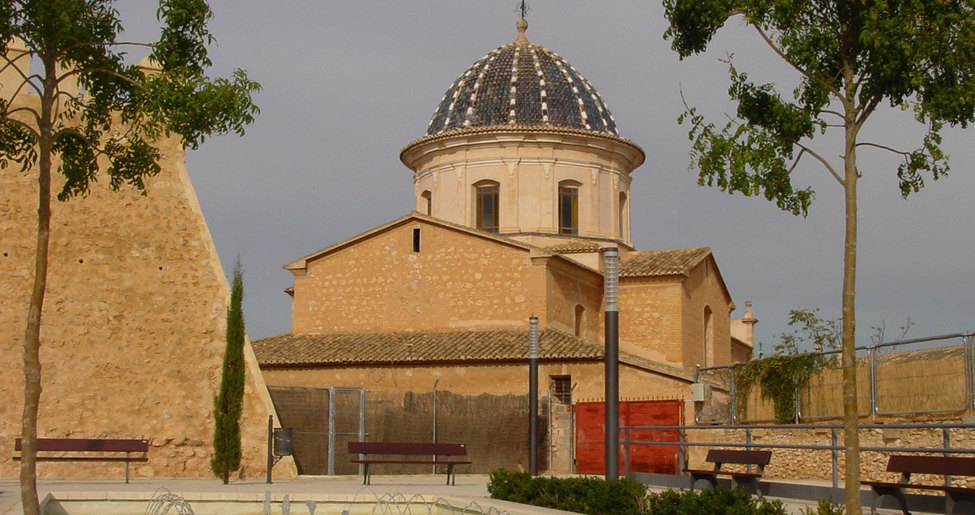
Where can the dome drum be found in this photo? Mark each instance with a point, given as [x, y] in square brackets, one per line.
[528, 168]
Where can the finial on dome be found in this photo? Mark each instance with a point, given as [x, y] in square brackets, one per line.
[522, 26]
[522, 23]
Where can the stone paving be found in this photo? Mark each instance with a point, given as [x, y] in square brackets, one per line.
[470, 490]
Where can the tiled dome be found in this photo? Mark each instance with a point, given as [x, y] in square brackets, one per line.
[524, 84]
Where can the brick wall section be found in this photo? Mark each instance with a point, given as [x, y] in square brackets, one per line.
[133, 325]
[650, 318]
[702, 289]
[568, 287]
[562, 438]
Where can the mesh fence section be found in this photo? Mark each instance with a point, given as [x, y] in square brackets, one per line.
[823, 396]
[305, 411]
[918, 381]
[494, 427]
[346, 429]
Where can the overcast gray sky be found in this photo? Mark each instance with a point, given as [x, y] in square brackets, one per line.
[346, 85]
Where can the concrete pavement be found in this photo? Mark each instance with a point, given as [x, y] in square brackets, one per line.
[391, 491]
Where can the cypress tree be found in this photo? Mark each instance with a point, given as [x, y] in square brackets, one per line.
[227, 405]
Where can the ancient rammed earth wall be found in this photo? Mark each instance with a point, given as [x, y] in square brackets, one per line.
[133, 325]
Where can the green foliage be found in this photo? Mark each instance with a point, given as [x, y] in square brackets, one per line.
[713, 501]
[851, 58]
[124, 109]
[581, 494]
[119, 116]
[824, 507]
[782, 375]
[228, 404]
[811, 331]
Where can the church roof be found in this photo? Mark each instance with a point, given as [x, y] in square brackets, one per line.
[290, 350]
[433, 347]
[522, 84]
[657, 263]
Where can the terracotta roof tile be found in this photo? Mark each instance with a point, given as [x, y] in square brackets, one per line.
[427, 347]
[655, 263]
[574, 247]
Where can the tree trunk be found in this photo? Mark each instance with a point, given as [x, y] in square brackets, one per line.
[32, 335]
[851, 434]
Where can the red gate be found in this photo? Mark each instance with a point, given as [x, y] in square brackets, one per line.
[591, 440]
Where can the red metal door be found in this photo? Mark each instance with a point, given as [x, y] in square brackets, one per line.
[590, 419]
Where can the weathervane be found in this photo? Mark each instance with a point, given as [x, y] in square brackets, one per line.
[523, 8]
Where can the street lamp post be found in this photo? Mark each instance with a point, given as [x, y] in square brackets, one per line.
[533, 395]
[611, 259]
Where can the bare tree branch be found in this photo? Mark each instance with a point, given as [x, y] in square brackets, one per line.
[866, 111]
[821, 159]
[882, 147]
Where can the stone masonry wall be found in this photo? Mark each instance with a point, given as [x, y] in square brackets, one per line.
[816, 464]
[651, 326]
[456, 280]
[569, 287]
[133, 325]
[702, 289]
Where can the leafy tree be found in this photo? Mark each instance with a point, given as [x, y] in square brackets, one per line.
[852, 57]
[228, 404]
[121, 111]
[811, 330]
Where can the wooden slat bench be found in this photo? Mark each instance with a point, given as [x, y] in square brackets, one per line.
[90, 449]
[906, 465]
[434, 453]
[739, 479]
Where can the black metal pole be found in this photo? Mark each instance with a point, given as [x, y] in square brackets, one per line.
[612, 379]
[533, 395]
[270, 448]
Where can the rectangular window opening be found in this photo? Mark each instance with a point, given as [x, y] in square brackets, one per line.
[562, 389]
[487, 208]
[416, 239]
[568, 210]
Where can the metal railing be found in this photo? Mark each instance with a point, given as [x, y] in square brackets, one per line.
[834, 447]
[947, 387]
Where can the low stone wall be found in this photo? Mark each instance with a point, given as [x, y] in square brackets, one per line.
[817, 464]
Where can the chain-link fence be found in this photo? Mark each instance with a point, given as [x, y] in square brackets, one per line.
[493, 427]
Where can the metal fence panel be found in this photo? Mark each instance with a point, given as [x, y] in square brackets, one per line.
[918, 376]
[822, 398]
[305, 411]
[921, 381]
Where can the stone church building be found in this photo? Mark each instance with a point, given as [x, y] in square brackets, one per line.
[521, 180]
